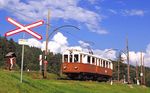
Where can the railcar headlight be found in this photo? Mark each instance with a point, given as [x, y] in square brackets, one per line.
[105, 71]
[65, 67]
[75, 68]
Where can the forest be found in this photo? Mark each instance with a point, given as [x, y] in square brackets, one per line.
[31, 61]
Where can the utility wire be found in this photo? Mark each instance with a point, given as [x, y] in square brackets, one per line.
[89, 42]
[78, 38]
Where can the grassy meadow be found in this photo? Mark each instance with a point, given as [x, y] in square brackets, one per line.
[10, 83]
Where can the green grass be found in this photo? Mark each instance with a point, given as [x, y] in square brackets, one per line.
[10, 83]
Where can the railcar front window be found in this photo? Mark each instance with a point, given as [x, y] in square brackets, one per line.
[65, 58]
[76, 59]
[70, 58]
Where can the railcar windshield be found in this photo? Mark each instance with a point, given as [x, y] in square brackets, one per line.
[65, 58]
[76, 59]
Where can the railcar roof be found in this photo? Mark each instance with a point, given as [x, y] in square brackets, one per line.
[85, 53]
[94, 56]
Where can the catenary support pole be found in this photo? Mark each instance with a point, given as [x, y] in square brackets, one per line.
[128, 63]
[46, 47]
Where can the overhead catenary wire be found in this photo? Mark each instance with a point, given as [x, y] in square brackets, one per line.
[57, 29]
[78, 38]
[88, 42]
[33, 18]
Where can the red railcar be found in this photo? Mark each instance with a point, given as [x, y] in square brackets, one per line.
[85, 66]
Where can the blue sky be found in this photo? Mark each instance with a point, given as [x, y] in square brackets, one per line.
[120, 18]
[107, 23]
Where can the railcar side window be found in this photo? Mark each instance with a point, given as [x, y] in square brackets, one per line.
[80, 58]
[88, 59]
[103, 63]
[65, 58]
[93, 60]
[106, 64]
[70, 57]
[76, 58]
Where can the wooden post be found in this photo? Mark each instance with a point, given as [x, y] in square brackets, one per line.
[144, 82]
[128, 64]
[141, 74]
[137, 74]
[119, 66]
[46, 47]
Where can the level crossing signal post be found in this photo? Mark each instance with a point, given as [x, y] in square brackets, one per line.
[22, 28]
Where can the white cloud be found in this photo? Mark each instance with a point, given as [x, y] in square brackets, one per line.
[133, 56]
[147, 56]
[32, 42]
[64, 9]
[75, 47]
[60, 38]
[133, 12]
[112, 11]
[105, 53]
[60, 43]
[136, 57]
[83, 44]
[148, 49]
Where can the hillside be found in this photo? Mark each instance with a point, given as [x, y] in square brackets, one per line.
[10, 83]
[54, 60]
[31, 56]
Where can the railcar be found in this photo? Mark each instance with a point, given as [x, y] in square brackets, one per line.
[84, 66]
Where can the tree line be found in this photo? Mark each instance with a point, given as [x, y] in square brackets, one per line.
[123, 73]
[31, 61]
[31, 56]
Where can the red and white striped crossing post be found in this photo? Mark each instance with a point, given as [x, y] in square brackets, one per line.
[22, 28]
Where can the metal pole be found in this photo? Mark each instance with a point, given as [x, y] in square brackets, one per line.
[128, 71]
[22, 60]
[141, 74]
